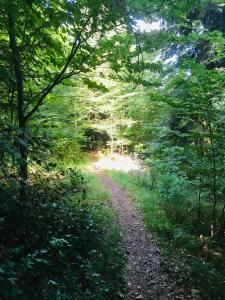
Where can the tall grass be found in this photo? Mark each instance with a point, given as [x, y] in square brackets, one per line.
[196, 260]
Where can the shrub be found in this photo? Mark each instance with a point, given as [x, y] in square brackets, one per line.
[59, 245]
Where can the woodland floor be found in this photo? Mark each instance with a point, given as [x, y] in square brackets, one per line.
[146, 274]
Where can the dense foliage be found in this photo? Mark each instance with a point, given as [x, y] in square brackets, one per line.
[178, 128]
[80, 76]
[62, 245]
[58, 239]
[45, 43]
[184, 140]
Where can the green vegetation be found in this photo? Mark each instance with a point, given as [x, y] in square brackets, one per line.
[83, 75]
[195, 260]
[63, 245]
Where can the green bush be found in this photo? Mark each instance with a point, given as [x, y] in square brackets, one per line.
[61, 244]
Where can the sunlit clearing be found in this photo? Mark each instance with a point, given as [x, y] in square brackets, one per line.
[143, 26]
[118, 162]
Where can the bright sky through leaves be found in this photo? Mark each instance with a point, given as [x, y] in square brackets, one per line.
[143, 26]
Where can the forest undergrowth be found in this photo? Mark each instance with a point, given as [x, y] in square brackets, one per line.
[64, 244]
[196, 260]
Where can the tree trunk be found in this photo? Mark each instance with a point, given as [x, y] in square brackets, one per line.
[222, 227]
[214, 173]
[111, 135]
[23, 166]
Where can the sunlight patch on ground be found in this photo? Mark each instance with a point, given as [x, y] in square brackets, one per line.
[118, 162]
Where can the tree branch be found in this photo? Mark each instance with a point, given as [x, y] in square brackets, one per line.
[60, 76]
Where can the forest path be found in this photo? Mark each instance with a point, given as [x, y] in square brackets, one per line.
[146, 276]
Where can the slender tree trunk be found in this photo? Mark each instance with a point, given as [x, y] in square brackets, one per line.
[199, 205]
[111, 131]
[112, 139]
[23, 167]
[214, 183]
[214, 192]
[222, 227]
[10, 100]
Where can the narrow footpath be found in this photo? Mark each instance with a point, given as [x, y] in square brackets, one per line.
[146, 276]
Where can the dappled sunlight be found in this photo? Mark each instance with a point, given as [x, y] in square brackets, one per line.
[117, 162]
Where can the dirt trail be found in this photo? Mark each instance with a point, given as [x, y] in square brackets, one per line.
[147, 278]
